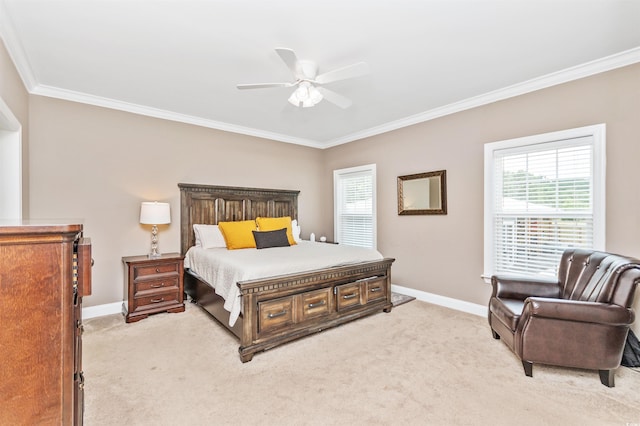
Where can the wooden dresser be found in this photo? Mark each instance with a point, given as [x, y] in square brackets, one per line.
[152, 285]
[45, 270]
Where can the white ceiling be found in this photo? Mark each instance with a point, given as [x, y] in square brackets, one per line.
[181, 60]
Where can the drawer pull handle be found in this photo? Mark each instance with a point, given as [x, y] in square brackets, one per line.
[157, 300]
[349, 296]
[315, 305]
[157, 270]
[277, 314]
[373, 290]
[157, 285]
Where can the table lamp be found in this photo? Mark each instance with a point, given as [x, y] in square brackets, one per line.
[155, 213]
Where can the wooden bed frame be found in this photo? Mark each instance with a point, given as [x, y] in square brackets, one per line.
[278, 309]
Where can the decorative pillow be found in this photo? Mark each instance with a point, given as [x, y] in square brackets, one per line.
[238, 235]
[208, 236]
[295, 230]
[275, 223]
[267, 239]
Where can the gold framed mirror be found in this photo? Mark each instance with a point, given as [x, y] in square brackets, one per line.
[423, 193]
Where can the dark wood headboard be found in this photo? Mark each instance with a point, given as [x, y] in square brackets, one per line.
[209, 204]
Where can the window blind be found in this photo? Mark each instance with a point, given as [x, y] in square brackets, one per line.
[543, 204]
[354, 209]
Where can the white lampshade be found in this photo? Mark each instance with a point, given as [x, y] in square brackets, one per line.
[155, 213]
[306, 95]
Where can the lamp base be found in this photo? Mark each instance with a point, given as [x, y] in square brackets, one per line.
[154, 253]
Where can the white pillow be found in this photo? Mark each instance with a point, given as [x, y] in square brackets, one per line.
[208, 236]
[295, 230]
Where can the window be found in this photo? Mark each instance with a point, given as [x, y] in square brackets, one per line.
[355, 206]
[543, 194]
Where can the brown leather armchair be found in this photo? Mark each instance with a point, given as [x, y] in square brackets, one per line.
[581, 319]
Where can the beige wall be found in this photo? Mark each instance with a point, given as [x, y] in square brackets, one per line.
[12, 91]
[98, 164]
[443, 254]
[15, 96]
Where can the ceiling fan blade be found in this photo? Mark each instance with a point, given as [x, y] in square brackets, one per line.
[350, 71]
[335, 98]
[264, 85]
[289, 57]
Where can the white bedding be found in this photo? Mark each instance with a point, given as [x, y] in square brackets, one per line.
[223, 268]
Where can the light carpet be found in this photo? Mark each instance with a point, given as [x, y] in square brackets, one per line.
[419, 364]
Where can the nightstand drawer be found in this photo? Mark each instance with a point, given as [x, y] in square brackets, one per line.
[157, 268]
[170, 282]
[156, 300]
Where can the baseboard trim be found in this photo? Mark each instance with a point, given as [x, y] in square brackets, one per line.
[102, 310]
[447, 302]
[458, 305]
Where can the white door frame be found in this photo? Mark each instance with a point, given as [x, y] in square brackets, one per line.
[10, 164]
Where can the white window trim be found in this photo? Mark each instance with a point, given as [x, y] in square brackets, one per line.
[336, 175]
[598, 133]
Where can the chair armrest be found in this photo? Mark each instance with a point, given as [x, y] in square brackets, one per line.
[578, 311]
[519, 288]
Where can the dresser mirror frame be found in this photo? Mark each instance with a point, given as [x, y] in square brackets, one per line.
[423, 193]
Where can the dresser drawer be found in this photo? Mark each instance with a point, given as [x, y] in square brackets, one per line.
[376, 289]
[316, 303]
[157, 300]
[274, 314]
[169, 282]
[348, 296]
[156, 268]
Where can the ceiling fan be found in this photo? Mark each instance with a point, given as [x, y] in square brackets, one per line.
[308, 83]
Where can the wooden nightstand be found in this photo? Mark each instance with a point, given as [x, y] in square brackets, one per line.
[152, 285]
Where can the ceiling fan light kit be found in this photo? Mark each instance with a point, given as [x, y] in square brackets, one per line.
[307, 94]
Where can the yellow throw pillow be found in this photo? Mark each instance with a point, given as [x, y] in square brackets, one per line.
[275, 223]
[238, 235]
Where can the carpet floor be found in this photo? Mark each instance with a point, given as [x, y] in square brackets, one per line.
[419, 364]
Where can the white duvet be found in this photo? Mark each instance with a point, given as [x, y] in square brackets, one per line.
[223, 268]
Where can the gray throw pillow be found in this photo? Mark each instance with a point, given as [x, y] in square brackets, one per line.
[267, 239]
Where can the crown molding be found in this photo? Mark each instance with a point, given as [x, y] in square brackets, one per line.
[598, 66]
[14, 48]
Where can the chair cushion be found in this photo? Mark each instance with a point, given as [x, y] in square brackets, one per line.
[508, 311]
